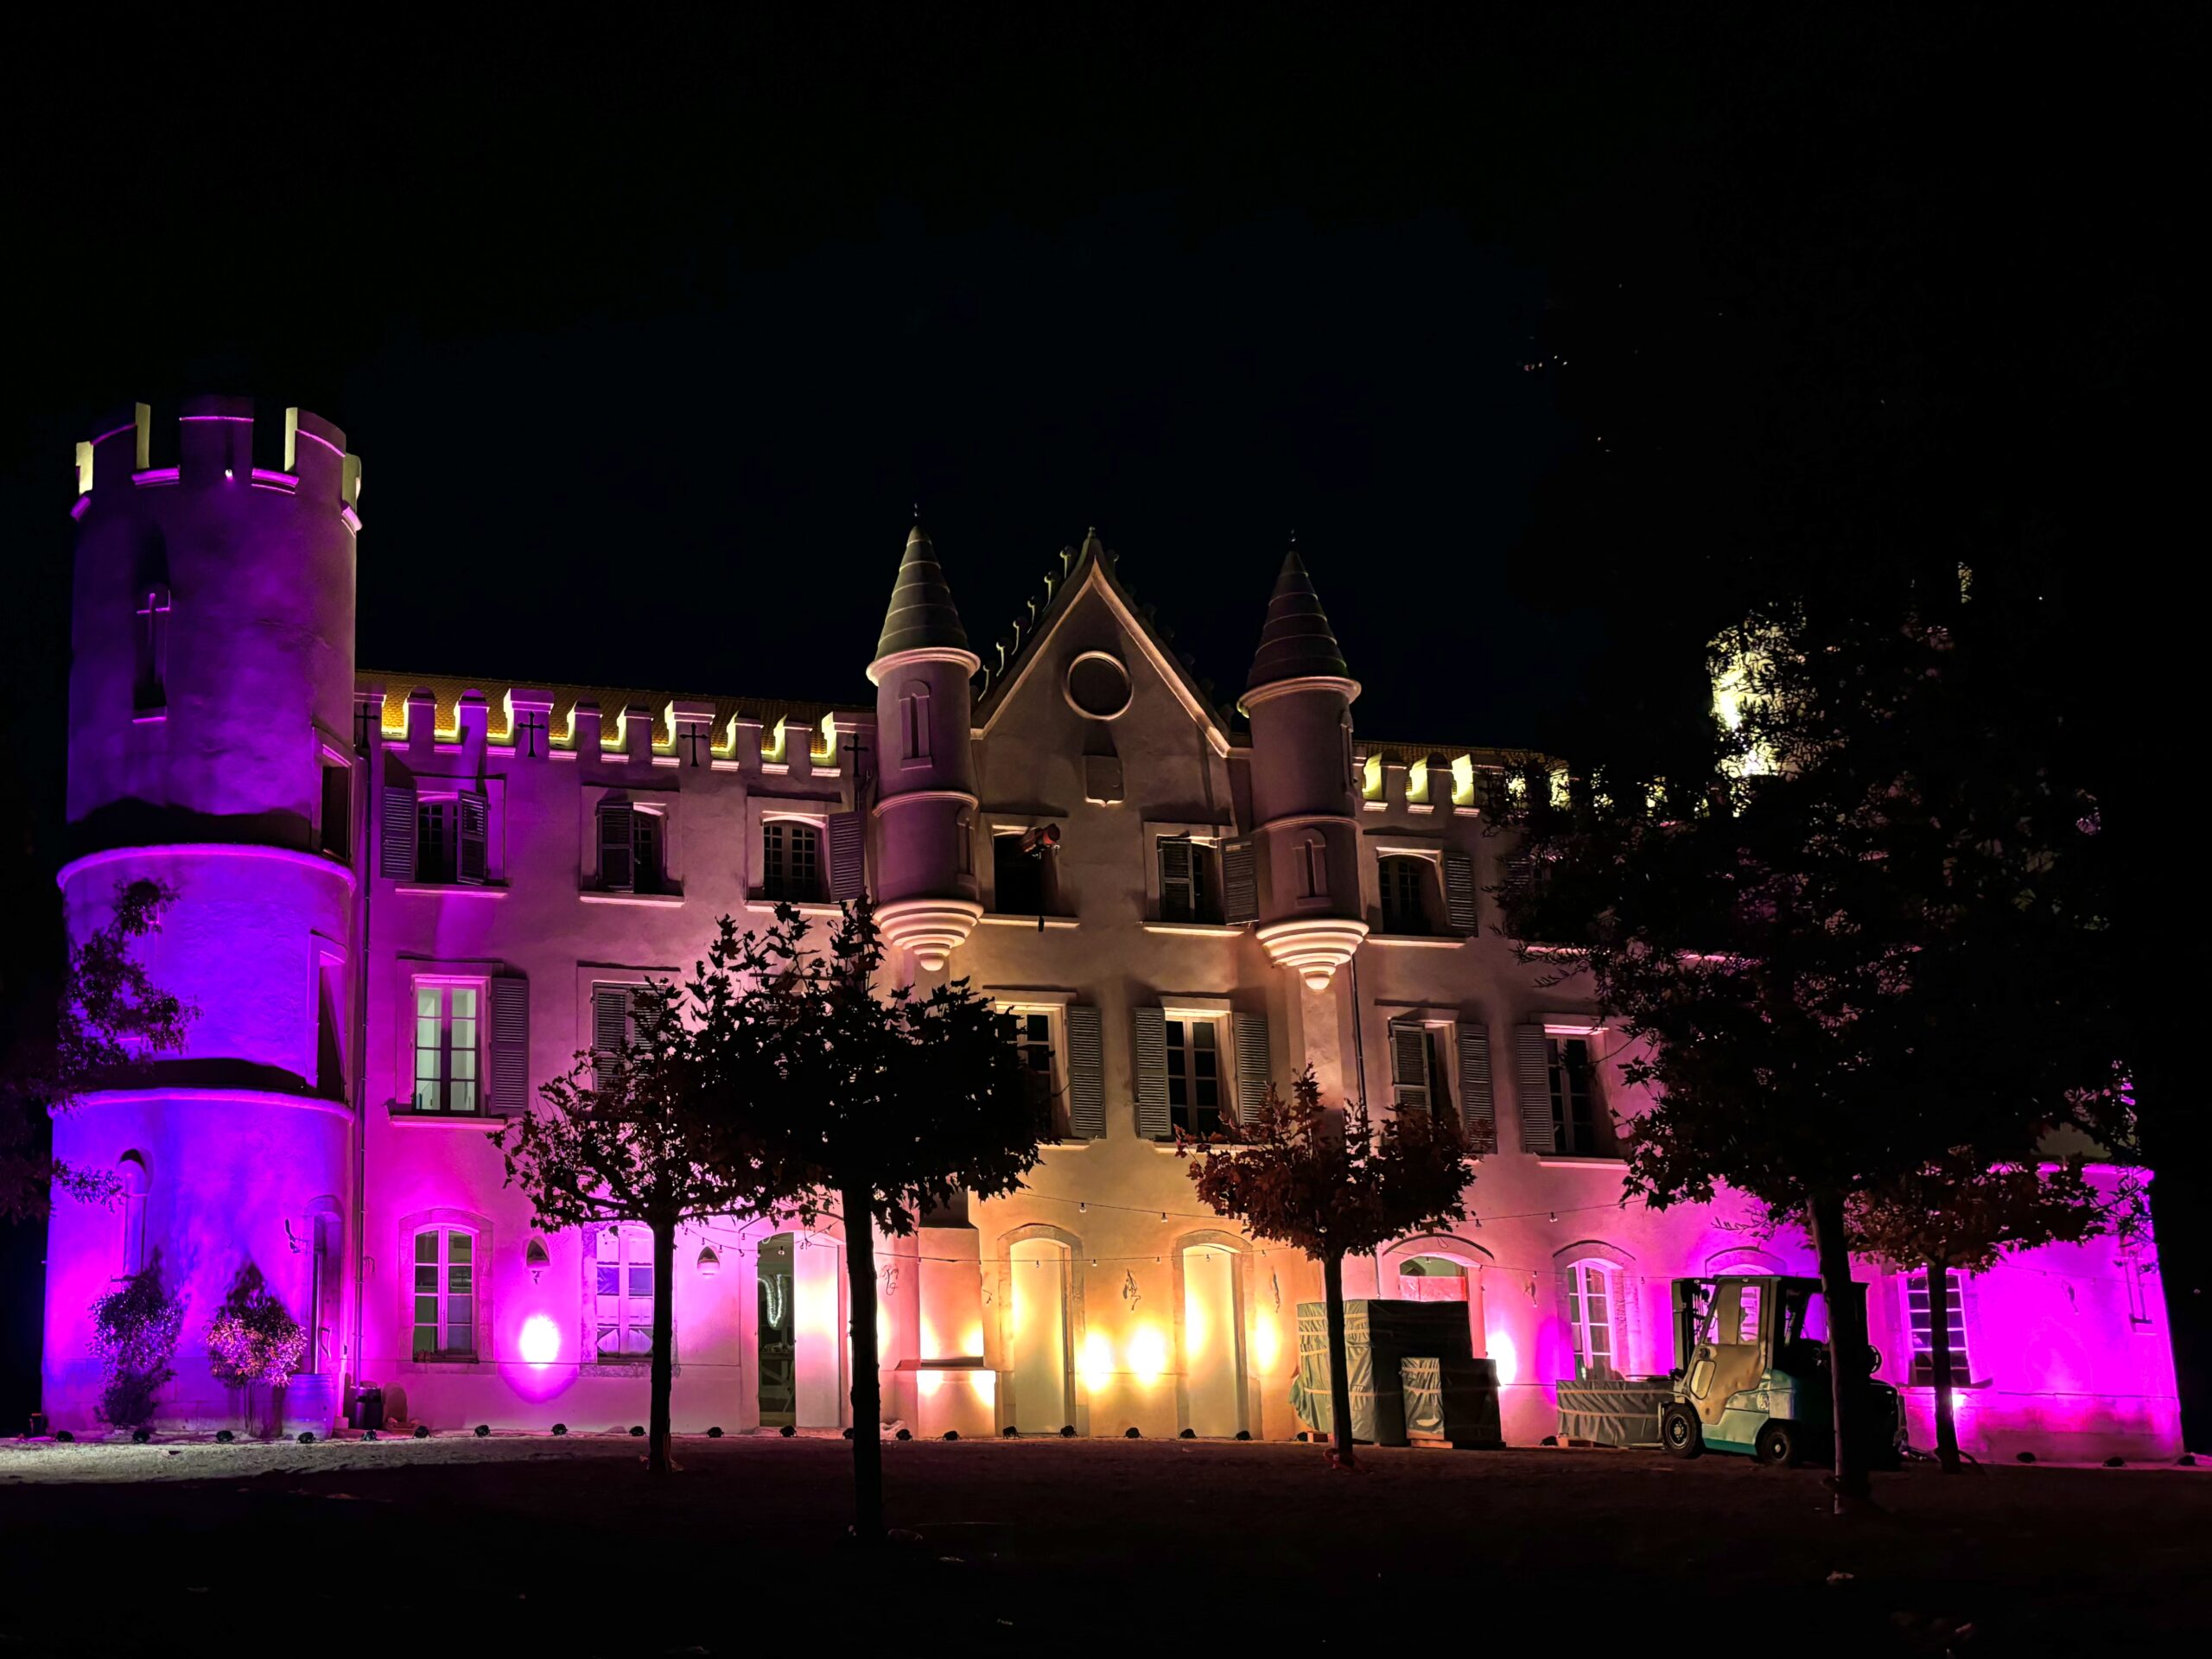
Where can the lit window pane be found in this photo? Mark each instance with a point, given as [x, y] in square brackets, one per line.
[426, 1247]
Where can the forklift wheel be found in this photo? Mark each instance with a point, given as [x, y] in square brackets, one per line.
[1679, 1431]
[1777, 1445]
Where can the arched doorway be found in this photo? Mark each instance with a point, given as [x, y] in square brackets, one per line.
[1213, 1344]
[1038, 1316]
[1430, 1278]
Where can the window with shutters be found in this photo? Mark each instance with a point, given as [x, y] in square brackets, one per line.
[1190, 881]
[1580, 1125]
[622, 1295]
[149, 681]
[445, 1293]
[1591, 1315]
[1920, 1327]
[613, 1028]
[1405, 882]
[1419, 1081]
[1018, 875]
[1030, 1031]
[1194, 1083]
[448, 1046]
[438, 838]
[790, 861]
[334, 834]
[632, 848]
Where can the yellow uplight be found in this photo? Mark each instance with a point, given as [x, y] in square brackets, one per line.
[1148, 1354]
[1463, 780]
[1267, 1343]
[1097, 1363]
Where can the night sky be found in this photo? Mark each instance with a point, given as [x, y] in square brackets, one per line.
[1548, 341]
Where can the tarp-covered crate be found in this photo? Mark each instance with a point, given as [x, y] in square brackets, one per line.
[1412, 1371]
[1614, 1412]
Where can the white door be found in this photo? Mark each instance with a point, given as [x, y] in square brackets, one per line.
[1212, 1386]
[1039, 1272]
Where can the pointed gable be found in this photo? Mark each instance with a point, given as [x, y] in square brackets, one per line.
[1091, 569]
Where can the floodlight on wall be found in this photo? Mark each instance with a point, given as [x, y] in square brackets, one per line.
[537, 1259]
[710, 1263]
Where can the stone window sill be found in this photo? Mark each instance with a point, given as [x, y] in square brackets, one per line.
[1420, 941]
[404, 1114]
[996, 919]
[463, 889]
[1198, 930]
[651, 900]
[1580, 1160]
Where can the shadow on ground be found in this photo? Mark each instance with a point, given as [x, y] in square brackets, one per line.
[544, 1547]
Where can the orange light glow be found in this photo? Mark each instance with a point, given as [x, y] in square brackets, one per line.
[1097, 1363]
[1148, 1354]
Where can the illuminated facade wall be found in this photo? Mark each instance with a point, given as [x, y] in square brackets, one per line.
[513, 853]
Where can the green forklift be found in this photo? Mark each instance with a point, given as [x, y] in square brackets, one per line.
[1754, 1378]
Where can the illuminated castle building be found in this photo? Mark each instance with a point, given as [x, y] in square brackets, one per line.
[406, 900]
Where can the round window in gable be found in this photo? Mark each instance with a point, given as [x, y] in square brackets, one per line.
[1098, 685]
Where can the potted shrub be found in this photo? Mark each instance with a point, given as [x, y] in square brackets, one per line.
[134, 1329]
[254, 1338]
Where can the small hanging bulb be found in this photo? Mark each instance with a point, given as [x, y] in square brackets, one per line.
[1553, 1217]
[1082, 1209]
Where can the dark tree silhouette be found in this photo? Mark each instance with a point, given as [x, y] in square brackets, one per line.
[880, 1108]
[625, 1136]
[1872, 933]
[113, 1019]
[1331, 1183]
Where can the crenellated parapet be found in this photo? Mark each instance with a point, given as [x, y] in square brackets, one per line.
[217, 442]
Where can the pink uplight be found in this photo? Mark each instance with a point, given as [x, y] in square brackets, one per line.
[541, 1340]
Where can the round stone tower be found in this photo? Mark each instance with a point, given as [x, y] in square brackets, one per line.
[926, 891]
[210, 750]
[1298, 700]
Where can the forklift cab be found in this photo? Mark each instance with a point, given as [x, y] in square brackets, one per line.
[1754, 1377]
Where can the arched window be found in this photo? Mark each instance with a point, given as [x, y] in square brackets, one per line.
[791, 862]
[914, 722]
[445, 1293]
[150, 693]
[1314, 873]
[131, 1170]
[1405, 882]
[1593, 1320]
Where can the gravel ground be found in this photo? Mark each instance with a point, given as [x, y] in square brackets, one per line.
[524, 1543]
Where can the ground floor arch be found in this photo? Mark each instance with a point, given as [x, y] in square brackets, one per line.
[1209, 1335]
[800, 1370]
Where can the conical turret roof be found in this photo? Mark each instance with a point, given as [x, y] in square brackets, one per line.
[1297, 643]
[922, 612]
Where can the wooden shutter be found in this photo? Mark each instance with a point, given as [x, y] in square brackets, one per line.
[610, 1031]
[508, 995]
[1148, 1042]
[1532, 1080]
[1408, 1065]
[1460, 892]
[396, 850]
[1478, 1107]
[1086, 1072]
[1240, 896]
[1177, 893]
[475, 825]
[618, 860]
[847, 855]
[1251, 1064]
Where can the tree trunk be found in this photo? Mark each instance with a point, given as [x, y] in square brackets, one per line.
[1340, 1435]
[1846, 1349]
[657, 1460]
[1939, 1365]
[867, 1382]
